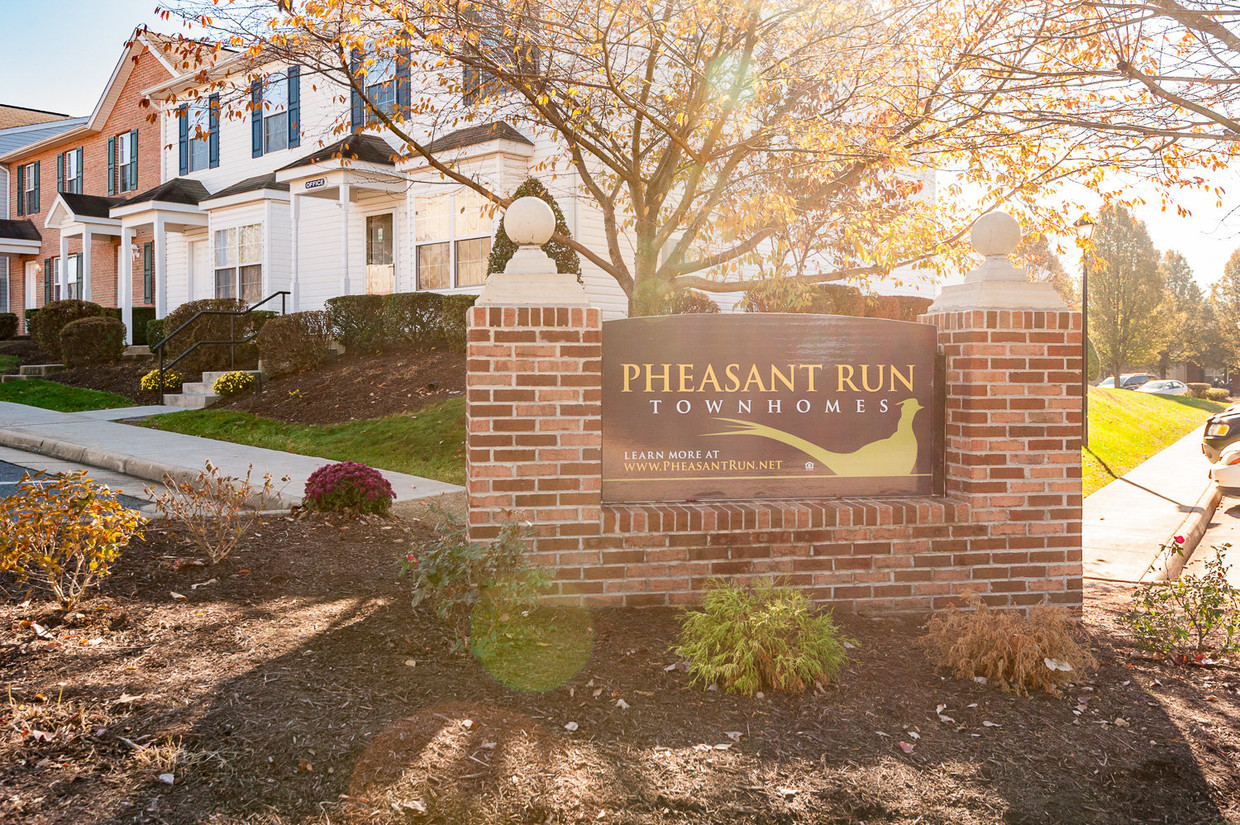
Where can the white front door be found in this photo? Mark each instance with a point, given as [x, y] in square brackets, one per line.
[201, 279]
[32, 284]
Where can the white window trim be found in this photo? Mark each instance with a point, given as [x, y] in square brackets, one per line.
[452, 239]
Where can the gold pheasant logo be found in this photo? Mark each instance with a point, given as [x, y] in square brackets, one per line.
[895, 455]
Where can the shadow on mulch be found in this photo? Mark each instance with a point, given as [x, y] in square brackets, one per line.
[300, 686]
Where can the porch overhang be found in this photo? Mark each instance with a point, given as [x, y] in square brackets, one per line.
[74, 215]
[324, 180]
[19, 238]
[176, 217]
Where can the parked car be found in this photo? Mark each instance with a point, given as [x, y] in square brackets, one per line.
[1128, 381]
[1164, 387]
[1222, 430]
[1226, 470]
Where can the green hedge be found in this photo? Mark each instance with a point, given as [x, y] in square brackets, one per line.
[8, 325]
[294, 342]
[31, 314]
[54, 316]
[141, 317]
[406, 320]
[92, 340]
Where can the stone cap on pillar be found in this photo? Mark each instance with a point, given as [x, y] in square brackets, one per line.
[531, 279]
[996, 284]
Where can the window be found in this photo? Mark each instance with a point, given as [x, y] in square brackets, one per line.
[239, 263]
[51, 280]
[275, 111]
[381, 89]
[28, 189]
[74, 276]
[453, 240]
[148, 273]
[199, 139]
[69, 171]
[385, 82]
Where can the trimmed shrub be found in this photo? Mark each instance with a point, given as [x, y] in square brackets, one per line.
[209, 357]
[30, 316]
[348, 487]
[412, 319]
[1013, 651]
[357, 322]
[260, 317]
[745, 639]
[142, 316]
[1191, 617]
[567, 261]
[233, 383]
[1198, 389]
[92, 341]
[453, 318]
[291, 343]
[1218, 394]
[8, 325]
[154, 332]
[54, 316]
[172, 381]
[652, 297]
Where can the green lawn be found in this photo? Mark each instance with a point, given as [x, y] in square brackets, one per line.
[1126, 428]
[52, 396]
[9, 364]
[429, 443]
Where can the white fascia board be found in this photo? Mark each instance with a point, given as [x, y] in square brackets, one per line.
[518, 151]
[137, 214]
[242, 198]
[326, 167]
[16, 246]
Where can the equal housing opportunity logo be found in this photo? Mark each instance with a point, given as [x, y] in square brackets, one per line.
[767, 406]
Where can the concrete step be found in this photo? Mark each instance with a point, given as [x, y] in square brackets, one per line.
[210, 377]
[4, 378]
[136, 351]
[197, 388]
[189, 402]
[40, 369]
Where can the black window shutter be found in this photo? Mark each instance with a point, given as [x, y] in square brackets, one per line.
[35, 207]
[357, 109]
[132, 183]
[112, 164]
[183, 143]
[81, 170]
[402, 78]
[21, 191]
[79, 277]
[294, 106]
[148, 272]
[48, 274]
[213, 143]
[256, 118]
[60, 172]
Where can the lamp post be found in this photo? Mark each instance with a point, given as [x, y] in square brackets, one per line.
[1084, 234]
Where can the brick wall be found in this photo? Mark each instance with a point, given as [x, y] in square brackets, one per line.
[1008, 527]
[126, 114]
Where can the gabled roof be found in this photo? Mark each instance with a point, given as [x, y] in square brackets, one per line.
[11, 116]
[496, 130]
[178, 190]
[24, 230]
[89, 206]
[16, 137]
[254, 184]
[358, 146]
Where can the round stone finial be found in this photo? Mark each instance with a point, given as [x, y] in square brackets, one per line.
[995, 233]
[529, 221]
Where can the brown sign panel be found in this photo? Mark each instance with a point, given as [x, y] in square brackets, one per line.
[750, 406]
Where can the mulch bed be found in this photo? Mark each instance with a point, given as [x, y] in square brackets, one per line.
[356, 387]
[301, 686]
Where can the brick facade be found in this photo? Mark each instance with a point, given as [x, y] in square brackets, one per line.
[1008, 526]
[125, 114]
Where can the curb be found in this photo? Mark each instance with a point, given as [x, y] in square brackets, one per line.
[127, 465]
[1192, 529]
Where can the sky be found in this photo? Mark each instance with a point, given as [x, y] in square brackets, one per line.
[91, 33]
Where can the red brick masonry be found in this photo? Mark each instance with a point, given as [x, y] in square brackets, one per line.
[1009, 526]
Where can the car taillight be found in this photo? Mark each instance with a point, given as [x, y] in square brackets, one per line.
[1215, 430]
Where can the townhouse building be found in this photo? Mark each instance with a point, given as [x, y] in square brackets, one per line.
[59, 239]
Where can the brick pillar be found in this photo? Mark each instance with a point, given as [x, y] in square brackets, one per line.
[1013, 448]
[534, 435]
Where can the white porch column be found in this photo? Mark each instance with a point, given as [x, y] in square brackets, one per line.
[124, 283]
[161, 272]
[344, 239]
[58, 291]
[294, 284]
[85, 296]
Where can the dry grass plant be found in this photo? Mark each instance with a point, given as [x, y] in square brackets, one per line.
[211, 511]
[1017, 653]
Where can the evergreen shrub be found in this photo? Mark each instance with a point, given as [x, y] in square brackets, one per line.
[98, 340]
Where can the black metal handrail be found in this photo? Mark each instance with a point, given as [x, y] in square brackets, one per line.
[161, 347]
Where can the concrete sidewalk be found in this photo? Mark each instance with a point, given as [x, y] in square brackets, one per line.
[94, 438]
[1126, 522]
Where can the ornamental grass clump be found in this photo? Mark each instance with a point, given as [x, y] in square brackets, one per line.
[765, 636]
[172, 381]
[233, 383]
[348, 487]
[1015, 652]
[63, 532]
